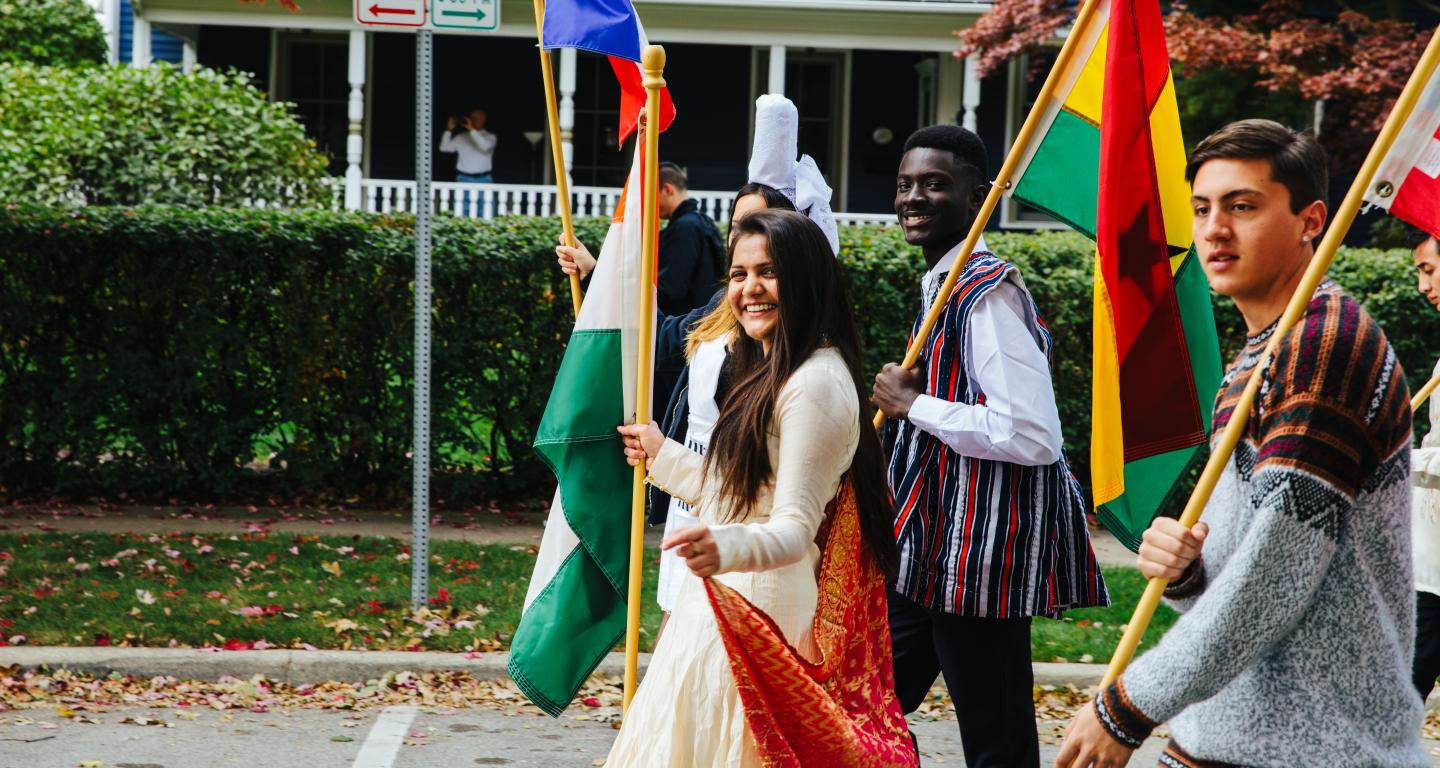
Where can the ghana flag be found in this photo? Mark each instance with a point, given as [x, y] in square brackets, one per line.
[1108, 160]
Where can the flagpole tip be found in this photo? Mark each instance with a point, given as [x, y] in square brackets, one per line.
[653, 57]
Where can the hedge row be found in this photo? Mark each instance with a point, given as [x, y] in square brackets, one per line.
[159, 352]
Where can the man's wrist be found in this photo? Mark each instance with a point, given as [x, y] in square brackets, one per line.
[1120, 717]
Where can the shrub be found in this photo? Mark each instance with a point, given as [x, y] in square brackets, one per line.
[128, 136]
[60, 33]
[290, 333]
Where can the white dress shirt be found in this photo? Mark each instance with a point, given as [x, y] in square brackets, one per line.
[1425, 511]
[1019, 421]
[476, 150]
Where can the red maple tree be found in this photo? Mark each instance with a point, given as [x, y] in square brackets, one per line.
[1354, 63]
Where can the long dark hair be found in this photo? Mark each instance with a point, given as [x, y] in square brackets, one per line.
[814, 312]
[774, 198]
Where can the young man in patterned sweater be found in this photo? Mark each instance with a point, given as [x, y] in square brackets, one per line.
[1295, 643]
[989, 519]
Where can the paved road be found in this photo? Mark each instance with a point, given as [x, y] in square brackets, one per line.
[331, 739]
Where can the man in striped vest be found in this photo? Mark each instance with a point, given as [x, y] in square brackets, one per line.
[989, 519]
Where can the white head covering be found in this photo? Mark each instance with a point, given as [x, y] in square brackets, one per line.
[773, 163]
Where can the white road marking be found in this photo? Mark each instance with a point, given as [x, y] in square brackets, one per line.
[386, 737]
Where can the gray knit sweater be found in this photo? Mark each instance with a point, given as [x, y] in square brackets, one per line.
[1298, 626]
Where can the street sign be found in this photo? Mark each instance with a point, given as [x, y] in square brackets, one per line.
[391, 13]
[483, 15]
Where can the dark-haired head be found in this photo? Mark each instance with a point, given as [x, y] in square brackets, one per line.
[674, 188]
[1257, 192]
[782, 258]
[1296, 160]
[753, 197]
[939, 187]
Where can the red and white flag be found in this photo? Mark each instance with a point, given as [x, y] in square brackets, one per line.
[1408, 182]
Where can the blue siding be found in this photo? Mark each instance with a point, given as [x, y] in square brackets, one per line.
[163, 45]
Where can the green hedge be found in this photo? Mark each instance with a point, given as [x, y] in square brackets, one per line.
[131, 135]
[220, 353]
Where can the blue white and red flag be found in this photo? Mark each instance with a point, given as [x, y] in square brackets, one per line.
[610, 28]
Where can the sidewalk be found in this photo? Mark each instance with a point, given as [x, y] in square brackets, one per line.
[483, 526]
[309, 667]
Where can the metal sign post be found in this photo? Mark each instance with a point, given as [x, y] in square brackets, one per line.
[424, 205]
[424, 16]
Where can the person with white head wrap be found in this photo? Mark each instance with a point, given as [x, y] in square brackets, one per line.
[773, 163]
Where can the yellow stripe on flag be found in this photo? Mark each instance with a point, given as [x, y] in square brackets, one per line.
[1085, 97]
[1170, 172]
[1107, 438]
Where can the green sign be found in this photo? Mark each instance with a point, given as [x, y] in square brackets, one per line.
[465, 14]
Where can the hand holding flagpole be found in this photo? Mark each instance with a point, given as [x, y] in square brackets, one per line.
[1294, 311]
[557, 154]
[997, 189]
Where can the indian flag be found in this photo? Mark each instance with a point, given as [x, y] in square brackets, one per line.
[1108, 160]
[575, 609]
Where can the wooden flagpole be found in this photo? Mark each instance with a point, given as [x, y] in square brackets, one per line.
[1319, 264]
[1425, 392]
[1002, 183]
[654, 61]
[562, 178]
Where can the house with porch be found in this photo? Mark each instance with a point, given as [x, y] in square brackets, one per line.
[863, 73]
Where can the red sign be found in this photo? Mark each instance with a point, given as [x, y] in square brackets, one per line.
[392, 13]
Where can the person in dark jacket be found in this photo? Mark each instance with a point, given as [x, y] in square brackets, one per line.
[692, 252]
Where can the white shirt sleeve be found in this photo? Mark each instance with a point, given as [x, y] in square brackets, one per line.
[447, 142]
[1425, 460]
[1019, 421]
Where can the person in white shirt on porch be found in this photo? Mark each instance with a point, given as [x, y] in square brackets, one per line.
[474, 148]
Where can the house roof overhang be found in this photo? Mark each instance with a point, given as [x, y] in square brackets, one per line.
[918, 25]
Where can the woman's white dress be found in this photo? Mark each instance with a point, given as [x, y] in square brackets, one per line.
[687, 711]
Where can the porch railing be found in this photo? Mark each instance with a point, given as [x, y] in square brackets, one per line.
[491, 200]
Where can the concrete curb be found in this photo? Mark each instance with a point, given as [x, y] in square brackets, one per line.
[308, 667]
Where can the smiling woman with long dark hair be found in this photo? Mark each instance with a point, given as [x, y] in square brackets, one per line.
[793, 543]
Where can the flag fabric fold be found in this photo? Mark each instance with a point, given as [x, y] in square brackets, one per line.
[1114, 121]
[610, 28]
[575, 608]
[1408, 182]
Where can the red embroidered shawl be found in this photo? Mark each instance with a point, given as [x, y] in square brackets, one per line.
[841, 711]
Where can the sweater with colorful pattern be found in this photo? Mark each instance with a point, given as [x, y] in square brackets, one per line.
[1298, 628]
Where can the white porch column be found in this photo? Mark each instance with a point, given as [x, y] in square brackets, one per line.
[949, 88]
[187, 57]
[777, 69]
[355, 111]
[567, 108]
[972, 89]
[140, 42]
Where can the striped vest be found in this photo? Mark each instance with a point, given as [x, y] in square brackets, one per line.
[979, 537]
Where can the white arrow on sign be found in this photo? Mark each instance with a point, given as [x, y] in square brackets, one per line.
[392, 13]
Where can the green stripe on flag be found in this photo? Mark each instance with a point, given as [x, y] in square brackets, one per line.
[579, 615]
[1062, 177]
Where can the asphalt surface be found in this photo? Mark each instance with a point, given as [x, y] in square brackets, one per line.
[41, 738]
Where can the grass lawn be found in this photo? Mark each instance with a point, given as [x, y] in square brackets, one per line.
[262, 591]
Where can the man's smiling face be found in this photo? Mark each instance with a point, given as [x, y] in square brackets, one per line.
[933, 197]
